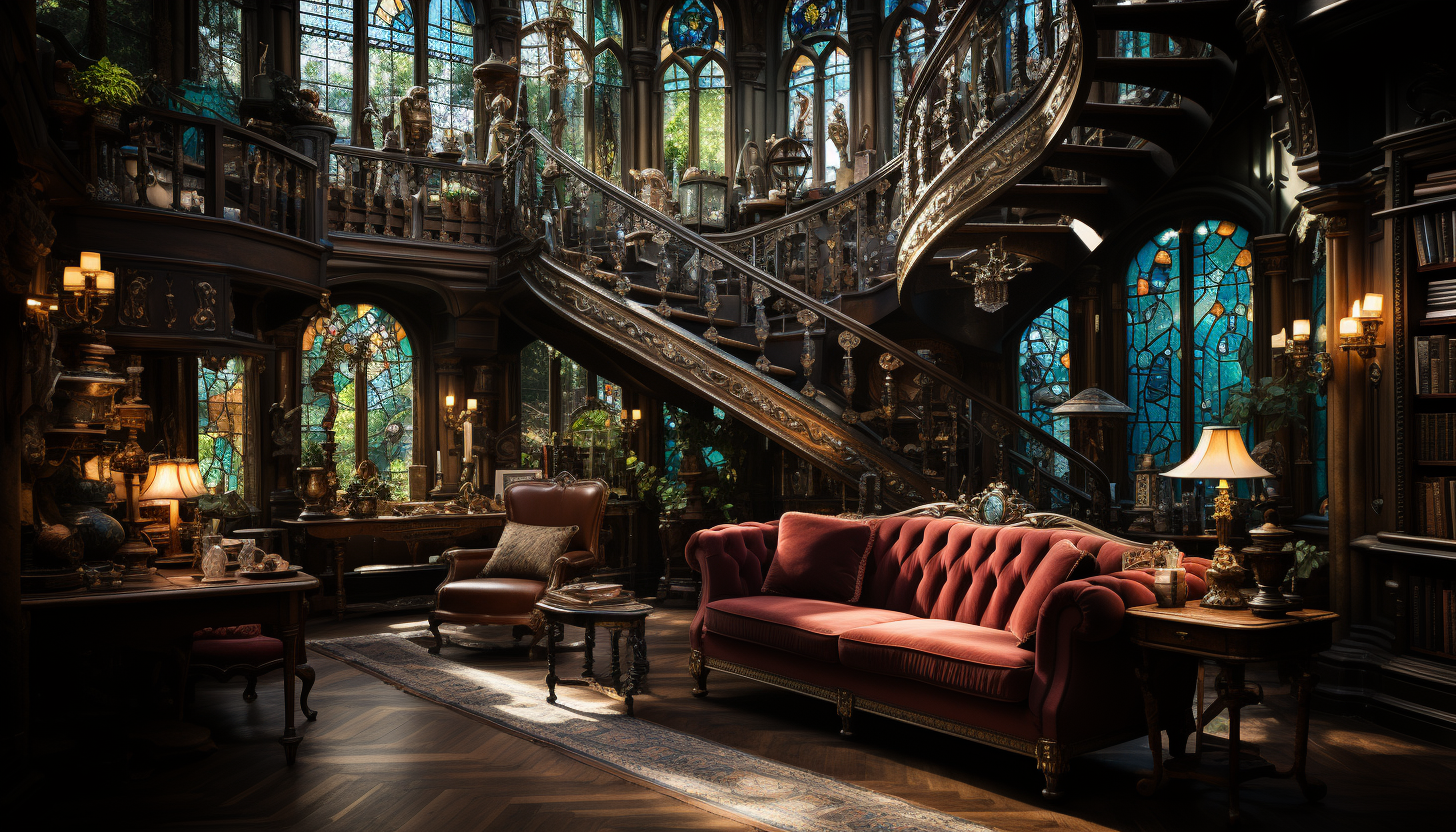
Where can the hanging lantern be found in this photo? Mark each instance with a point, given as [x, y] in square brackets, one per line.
[991, 279]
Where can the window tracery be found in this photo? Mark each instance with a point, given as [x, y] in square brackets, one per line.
[597, 87]
[817, 78]
[224, 422]
[693, 89]
[907, 49]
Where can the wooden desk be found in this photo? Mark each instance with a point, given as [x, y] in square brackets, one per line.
[169, 607]
[1175, 641]
[411, 531]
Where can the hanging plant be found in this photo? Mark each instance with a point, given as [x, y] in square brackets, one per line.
[104, 84]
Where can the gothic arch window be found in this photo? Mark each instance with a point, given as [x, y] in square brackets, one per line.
[597, 86]
[391, 41]
[225, 422]
[374, 385]
[326, 53]
[693, 89]
[910, 40]
[1189, 334]
[816, 66]
[218, 71]
[1044, 370]
[450, 53]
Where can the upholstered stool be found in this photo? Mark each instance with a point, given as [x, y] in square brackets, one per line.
[226, 652]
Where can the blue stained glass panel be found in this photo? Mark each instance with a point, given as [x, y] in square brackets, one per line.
[811, 17]
[1155, 351]
[1222, 318]
[1044, 370]
[693, 24]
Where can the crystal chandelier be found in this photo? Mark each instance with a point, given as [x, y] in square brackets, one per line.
[990, 278]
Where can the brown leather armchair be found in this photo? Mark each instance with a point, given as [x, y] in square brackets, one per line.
[464, 598]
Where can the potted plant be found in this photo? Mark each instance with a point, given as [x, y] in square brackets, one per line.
[471, 207]
[109, 88]
[1280, 400]
[363, 496]
[450, 202]
[1307, 558]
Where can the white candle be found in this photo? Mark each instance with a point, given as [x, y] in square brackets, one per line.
[469, 447]
[439, 462]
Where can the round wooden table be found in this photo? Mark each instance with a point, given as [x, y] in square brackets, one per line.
[628, 618]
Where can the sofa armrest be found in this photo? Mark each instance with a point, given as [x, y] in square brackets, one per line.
[571, 566]
[465, 563]
[733, 560]
[1083, 663]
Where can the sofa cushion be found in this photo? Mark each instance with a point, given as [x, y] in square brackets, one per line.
[1063, 562]
[819, 557]
[491, 596]
[803, 626]
[528, 552]
[961, 657]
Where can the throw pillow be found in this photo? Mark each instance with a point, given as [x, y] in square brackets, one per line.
[820, 557]
[528, 551]
[1063, 562]
[1137, 559]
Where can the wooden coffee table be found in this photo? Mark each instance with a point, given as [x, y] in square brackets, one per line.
[630, 619]
[1175, 641]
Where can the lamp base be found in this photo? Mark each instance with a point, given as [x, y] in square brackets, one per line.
[1270, 565]
[1224, 577]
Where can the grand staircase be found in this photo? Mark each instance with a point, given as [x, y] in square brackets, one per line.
[1024, 116]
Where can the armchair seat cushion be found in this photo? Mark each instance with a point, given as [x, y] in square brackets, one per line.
[802, 626]
[490, 596]
[230, 652]
[949, 654]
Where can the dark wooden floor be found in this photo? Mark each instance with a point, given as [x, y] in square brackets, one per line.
[380, 759]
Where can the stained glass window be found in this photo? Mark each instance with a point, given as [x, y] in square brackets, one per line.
[676, 120]
[608, 20]
[374, 383]
[219, 81]
[391, 52]
[672, 419]
[907, 51]
[1155, 350]
[593, 98]
[801, 100]
[326, 46]
[836, 92]
[1223, 317]
[451, 53]
[712, 118]
[224, 428]
[817, 72]
[693, 24]
[1044, 368]
[694, 89]
[607, 94]
[805, 19]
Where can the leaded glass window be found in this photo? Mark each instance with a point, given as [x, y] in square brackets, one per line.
[326, 49]
[607, 94]
[676, 120]
[224, 422]
[805, 19]
[835, 95]
[816, 73]
[1189, 334]
[1044, 370]
[694, 89]
[219, 81]
[391, 34]
[373, 378]
[906, 52]
[672, 419]
[1319, 449]
[451, 53]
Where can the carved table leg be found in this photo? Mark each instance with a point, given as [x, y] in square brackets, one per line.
[637, 641]
[1304, 682]
[305, 672]
[340, 602]
[587, 666]
[553, 633]
[616, 658]
[289, 633]
[1235, 706]
[699, 672]
[1148, 785]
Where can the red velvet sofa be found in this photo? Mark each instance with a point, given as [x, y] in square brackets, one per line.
[927, 642]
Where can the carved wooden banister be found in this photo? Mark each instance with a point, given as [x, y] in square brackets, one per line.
[383, 194]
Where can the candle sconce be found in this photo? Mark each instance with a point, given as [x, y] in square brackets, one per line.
[86, 290]
[1303, 360]
[1360, 332]
[456, 418]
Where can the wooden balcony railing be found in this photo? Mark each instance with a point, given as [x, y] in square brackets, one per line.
[377, 193]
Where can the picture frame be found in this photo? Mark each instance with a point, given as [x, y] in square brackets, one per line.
[504, 477]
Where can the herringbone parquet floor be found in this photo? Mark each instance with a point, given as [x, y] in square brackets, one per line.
[380, 759]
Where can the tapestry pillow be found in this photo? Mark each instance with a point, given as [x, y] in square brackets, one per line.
[528, 551]
[820, 557]
[1064, 562]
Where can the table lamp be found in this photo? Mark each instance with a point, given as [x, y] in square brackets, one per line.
[1221, 456]
[174, 480]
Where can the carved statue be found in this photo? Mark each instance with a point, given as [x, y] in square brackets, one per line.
[750, 165]
[284, 431]
[838, 132]
[308, 108]
[388, 129]
[414, 121]
[866, 138]
[502, 131]
[802, 104]
[651, 187]
[367, 119]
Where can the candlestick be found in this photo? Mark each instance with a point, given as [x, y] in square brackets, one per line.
[469, 443]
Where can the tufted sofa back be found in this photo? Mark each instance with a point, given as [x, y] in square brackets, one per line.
[950, 569]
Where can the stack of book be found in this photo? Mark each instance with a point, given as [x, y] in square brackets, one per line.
[1433, 237]
[1435, 369]
[1441, 300]
[1436, 501]
[1433, 614]
[591, 595]
[1440, 183]
[1437, 437]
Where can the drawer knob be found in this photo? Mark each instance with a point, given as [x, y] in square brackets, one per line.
[1182, 634]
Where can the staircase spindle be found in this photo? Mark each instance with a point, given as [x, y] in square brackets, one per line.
[847, 381]
[807, 318]
[889, 363]
[760, 325]
[664, 279]
[710, 301]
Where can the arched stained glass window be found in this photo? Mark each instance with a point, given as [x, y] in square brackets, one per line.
[694, 24]
[373, 378]
[451, 53]
[816, 78]
[1189, 334]
[1044, 370]
[391, 35]
[326, 49]
[694, 89]
[224, 422]
[804, 19]
[906, 52]
[596, 86]
[609, 87]
[676, 119]
[835, 97]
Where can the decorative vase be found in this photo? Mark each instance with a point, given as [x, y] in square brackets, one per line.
[313, 484]
[214, 564]
[107, 118]
[85, 511]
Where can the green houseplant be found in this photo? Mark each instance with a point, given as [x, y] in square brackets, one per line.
[109, 88]
[450, 202]
[1281, 401]
[471, 207]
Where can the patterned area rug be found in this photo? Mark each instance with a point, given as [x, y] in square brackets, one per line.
[591, 728]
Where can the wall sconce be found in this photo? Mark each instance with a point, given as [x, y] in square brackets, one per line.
[1360, 331]
[457, 419]
[631, 420]
[86, 290]
[1316, 365]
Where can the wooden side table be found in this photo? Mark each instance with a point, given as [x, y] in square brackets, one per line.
[630, 619]
[1175, 640]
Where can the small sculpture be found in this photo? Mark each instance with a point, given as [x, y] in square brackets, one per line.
[838, 131]
[367, 119]
[801, 121]
[502, 131]
[866, 138]
[134, 308]
[414, 120]
[308, 108]
[284, 422]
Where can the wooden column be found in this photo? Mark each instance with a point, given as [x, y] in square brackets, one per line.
[1348, 393]
[448, 381]
[645, 141]
[864, 76]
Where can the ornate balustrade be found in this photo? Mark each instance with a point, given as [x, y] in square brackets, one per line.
[842, 244]
[990, 100]
[378, 193]
[194, 165]
[857, 402]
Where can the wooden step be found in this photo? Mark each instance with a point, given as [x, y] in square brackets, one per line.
[1137, 166]
[1204, 80]
[1175, 129]
[1089, 203]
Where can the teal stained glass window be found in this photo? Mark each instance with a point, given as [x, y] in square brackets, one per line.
[224, 424]
[326, 47]
[374, 382]
[907, 50]
[1044, 370]
[808, 19]
[693, 24]
[1155, 350]
[672, 419]
[451, 53]
[1319, 448]
[391, 34]
[1223, 318]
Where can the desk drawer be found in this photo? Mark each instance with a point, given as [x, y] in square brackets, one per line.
[1185, 636]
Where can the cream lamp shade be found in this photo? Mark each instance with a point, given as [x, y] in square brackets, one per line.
[173, 479]
[1220, 455]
